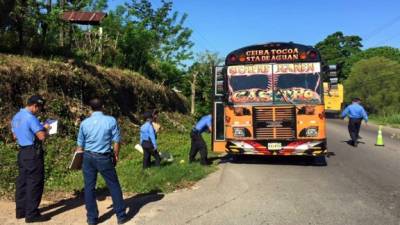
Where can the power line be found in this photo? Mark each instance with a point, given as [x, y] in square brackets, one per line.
[203, 37]
[386, 40]
[381, 28]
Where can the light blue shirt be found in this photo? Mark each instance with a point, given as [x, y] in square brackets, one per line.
[25, 125]
[147, 133]
[204, 124]
[355, 111]
[97, 133]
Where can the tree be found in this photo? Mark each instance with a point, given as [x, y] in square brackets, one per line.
[200, 80]
[171, 39]
[387, 52]
[6, 6]
[376, 82]
[337, 48]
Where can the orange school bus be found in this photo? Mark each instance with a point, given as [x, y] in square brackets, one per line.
[268, 100]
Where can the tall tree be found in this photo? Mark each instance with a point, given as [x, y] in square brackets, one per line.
[387, 52]
[376, 82]
[172, 38]
[199, 82]
[337, 48]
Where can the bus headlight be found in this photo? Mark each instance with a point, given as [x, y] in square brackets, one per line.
[309, 132]
[240, 132]
[312, 132]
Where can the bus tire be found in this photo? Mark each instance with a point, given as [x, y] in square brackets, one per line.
[319, 161]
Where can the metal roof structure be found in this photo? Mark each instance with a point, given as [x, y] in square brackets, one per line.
[84, 18]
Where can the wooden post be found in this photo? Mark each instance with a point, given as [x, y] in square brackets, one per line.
[193, 86]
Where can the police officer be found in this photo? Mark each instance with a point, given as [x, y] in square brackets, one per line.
[356, 114]
[198, 143]
[30, 134]
[96, 134]
[148, 140]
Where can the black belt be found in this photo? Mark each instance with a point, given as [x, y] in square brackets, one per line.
[194, 130]
[98, 153]
[26, 146]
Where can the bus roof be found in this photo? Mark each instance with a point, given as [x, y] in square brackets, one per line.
[273, 52]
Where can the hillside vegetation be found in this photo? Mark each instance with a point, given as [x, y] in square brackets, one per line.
[67, 87]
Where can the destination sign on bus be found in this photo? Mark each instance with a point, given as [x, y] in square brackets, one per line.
[268, 55]
[287, 68]
[297, 68]
[250, 69]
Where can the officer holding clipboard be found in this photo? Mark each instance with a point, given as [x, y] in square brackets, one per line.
[30, 134]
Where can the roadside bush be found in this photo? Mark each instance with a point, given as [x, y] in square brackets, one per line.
[376, 81]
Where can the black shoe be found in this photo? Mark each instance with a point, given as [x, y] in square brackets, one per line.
[206, 163]
[38, 218]
[19, 216]
[123, 220]
[355, 144]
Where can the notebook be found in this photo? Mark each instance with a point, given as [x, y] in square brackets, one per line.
[76, 162]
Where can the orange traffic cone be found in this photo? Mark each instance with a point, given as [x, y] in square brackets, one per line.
[379, 138]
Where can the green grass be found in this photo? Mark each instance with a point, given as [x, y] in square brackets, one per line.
[131, 175]
[392, 120]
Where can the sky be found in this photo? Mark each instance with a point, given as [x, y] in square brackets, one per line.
[222, 26]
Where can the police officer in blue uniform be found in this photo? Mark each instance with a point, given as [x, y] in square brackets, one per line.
[148, 140]
[30, 134]
[96, 135]
[356, 114]
[198, 143]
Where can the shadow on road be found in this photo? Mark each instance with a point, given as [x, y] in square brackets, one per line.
[350, 142]
[133, 203]
[277, 160]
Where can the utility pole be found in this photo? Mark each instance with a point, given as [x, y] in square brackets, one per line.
[193, 86]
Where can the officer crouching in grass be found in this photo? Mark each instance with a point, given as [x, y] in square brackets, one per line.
[96, 134]
[30, 134]
[198, 143]
[148, 140]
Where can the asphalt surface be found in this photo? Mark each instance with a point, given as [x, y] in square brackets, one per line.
[355, 186]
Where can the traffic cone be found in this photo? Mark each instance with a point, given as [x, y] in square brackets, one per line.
[379, 138]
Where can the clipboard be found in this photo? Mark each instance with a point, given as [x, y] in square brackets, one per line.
[76, 162]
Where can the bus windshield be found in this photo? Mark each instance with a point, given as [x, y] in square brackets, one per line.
[275, 83]
[297, 88]
[250, 88]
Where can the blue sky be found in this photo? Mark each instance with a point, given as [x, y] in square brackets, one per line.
[222, 26]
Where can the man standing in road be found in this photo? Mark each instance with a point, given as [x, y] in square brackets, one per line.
[356, 114]
[96, 134]
[30, 134]
[198, 143]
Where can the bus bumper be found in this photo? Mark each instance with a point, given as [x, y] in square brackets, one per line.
[303, 147]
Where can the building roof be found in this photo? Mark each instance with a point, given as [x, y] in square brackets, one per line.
[85, 18]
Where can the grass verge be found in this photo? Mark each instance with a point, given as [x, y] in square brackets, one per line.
[391, 120]
[133, 179]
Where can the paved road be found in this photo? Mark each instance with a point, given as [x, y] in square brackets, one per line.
[358, 186]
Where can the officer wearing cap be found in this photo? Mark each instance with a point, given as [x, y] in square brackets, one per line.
[30, 134]
[356, 114]
[198, 143]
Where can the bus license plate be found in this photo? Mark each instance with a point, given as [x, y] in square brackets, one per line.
[274, 146]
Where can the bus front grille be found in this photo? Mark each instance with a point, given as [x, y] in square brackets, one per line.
[274, 123]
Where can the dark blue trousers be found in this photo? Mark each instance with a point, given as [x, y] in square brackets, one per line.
[102, 163]
[30, 181]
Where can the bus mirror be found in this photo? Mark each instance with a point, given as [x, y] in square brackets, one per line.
[219, 81]
[333, 80]
[332, 71]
